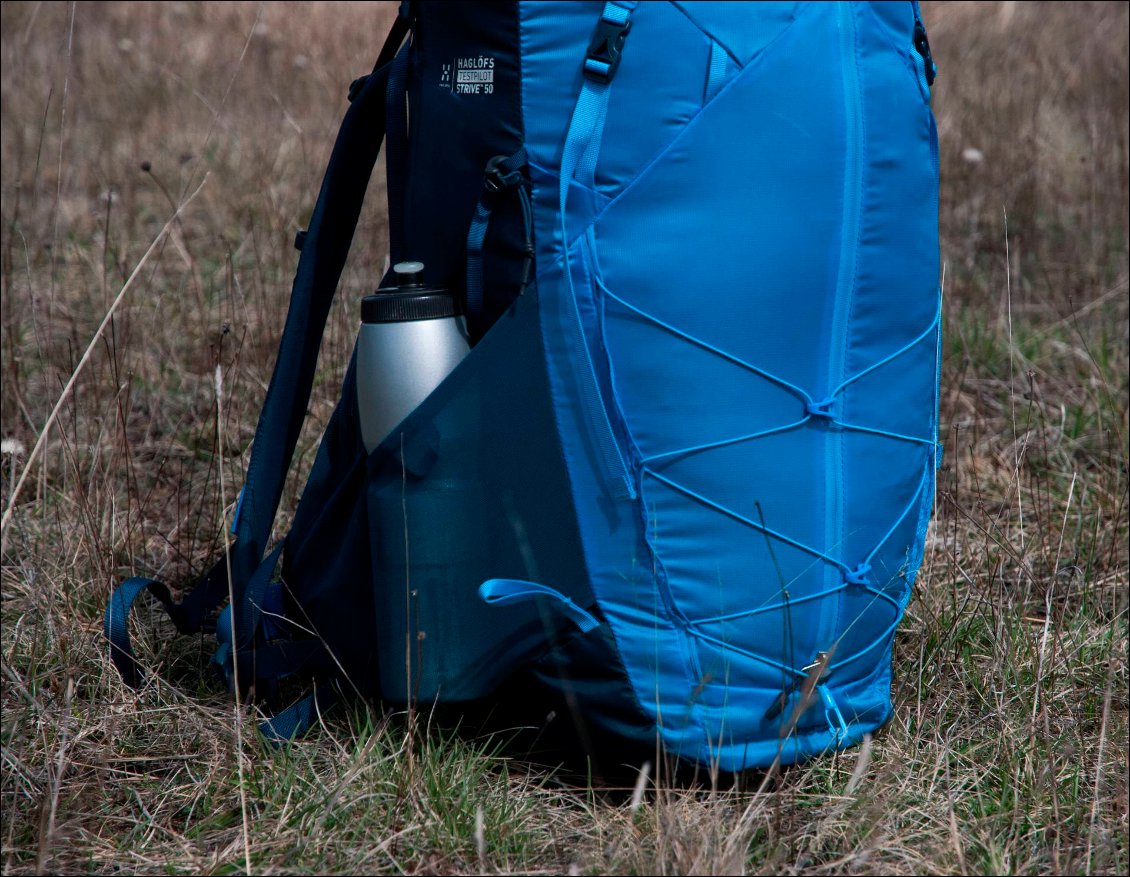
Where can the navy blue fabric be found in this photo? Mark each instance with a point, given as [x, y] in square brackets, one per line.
[326, 563]
[465, 85]
[471, 487]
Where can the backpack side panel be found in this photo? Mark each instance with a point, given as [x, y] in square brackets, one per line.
[758, 283]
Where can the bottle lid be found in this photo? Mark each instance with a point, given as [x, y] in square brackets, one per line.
[401, 307]
[409, 300]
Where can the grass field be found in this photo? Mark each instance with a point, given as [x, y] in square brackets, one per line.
[1008, 751]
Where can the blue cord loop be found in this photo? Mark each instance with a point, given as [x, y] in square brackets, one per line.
[502, 591]
[836, 724]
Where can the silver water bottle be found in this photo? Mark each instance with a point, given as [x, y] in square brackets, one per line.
[411, 338]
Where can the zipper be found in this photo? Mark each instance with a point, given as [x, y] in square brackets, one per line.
[845, 283]
[615, 472]
[922, 47]
[582, 146]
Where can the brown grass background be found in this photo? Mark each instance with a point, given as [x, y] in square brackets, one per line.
[1009, 748]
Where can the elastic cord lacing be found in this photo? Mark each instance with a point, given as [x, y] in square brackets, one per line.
[853, 575]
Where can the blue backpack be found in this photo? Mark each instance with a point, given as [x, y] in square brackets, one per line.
[683, 478]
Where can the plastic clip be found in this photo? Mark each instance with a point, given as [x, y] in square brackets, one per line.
[603, 57]
[496, 181]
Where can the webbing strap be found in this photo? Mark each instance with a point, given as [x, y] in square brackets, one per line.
[299, 717]
[323, 257]
[503, 174]
[396, 152]
[716, 74]
[115, 625]
[582, 145]
[254, 597]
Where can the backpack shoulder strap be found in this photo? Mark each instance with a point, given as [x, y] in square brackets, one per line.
[324, 246]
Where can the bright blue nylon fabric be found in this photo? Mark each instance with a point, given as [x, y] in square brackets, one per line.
[585, 128]
[704, 393]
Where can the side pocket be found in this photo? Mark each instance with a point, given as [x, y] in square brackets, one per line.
[471, 487]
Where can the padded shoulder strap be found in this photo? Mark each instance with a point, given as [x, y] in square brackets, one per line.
[325, 246]
[324, 252]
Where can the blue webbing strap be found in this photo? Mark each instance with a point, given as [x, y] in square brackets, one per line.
[324, 251]
[579, 154]
[116, 623]
[263, 662]
[396, 152]
[503, 173]
[717, 71]
[251, 602]
[299, 717]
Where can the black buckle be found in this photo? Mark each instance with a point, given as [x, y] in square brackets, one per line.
[496, 180]
[603, 56]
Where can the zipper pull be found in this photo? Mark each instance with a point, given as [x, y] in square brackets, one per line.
[922, 45]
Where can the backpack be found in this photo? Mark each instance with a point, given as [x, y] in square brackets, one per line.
[683, 478]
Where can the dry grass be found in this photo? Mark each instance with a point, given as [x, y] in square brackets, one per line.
[1008, 751]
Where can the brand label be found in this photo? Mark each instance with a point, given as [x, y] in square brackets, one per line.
[474, 75]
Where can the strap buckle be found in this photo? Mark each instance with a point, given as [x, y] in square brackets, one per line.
[497, 180]
[603, 57]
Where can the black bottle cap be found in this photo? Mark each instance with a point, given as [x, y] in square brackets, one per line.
[401, 306]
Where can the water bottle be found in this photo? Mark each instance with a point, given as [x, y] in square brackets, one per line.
[412, 336]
